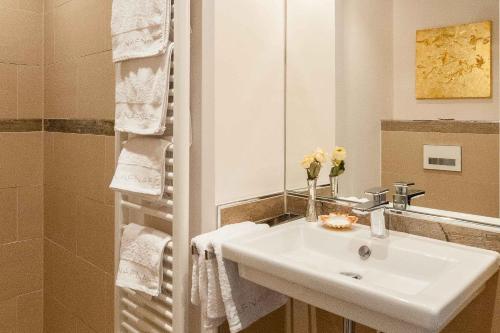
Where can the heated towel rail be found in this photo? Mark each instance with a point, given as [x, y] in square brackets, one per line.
[134, 312]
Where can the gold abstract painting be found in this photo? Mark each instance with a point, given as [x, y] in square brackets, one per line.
[454, 62]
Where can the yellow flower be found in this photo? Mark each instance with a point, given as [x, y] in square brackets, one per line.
[339, 154]
[306, 162]
[319, 155]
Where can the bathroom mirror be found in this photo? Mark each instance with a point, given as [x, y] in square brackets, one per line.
[351, 81]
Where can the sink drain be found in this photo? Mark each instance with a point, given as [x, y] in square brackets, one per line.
[355, 276]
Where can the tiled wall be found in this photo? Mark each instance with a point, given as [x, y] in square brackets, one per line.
[21, 203]
[79, 212]
[474, 190]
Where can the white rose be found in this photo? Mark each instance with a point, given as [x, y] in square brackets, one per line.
[339, 154]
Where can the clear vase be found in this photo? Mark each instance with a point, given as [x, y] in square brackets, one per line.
[334, 186]
[311, 215]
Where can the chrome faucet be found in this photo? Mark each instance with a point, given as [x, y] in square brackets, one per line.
[376, 208]
[403, 195]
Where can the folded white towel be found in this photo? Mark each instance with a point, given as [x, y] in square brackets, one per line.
[199, 288]
[141, 95]
[245, 302]
[141, 259]
[139, 28]
[141, 168]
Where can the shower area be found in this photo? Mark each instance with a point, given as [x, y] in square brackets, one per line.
[58, 229]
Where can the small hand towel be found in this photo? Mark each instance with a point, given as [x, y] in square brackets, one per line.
[141, 259]
[199, 289]
[245, 302]
[141, 95]
[141, 168]
[139, 28]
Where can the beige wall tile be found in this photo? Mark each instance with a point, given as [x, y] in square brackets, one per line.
[90, 291]
[30, 212]
[33, 5]
[8, 316]
[12, 4]
[49, 36]
[21, 264]
[109, 168]
[67, 33]
[48, 158]
[27, 153]
[61, 90]
[94, 27]
[29, 38]
[96, 87]
[8, 91]
[57, 318]
[30, 313]
[9, 35]
[81, 327]
[8, 215]
[95, 234]
[79, 164]
[30, 92]
[60, 275]
[61, 217]
[110, 302]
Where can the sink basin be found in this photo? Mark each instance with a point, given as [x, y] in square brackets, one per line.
[407, 284]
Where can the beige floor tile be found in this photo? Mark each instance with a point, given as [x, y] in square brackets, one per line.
[30, 94]
[8, 215]
[30, 313]
[95, 233]
[30, 212]
[61, 216]
[22, 271]
[8, 91]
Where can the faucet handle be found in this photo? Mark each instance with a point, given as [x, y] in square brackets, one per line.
[402, 186]
[378, 193]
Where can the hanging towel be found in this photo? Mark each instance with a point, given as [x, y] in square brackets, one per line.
[199, 287]
[141, 259]
[141, 168]
[141, 95]
[140, 28]
[245, 302]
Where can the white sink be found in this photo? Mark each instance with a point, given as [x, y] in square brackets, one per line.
[408, 284]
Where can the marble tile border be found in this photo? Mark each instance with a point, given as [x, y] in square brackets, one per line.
[251, 210]
[21, 125]
[80, 126]
[486, 237]
[442, 126]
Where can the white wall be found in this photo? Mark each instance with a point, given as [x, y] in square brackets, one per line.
[248, 98]
[412, 15]
[310, 90]
[364, 88]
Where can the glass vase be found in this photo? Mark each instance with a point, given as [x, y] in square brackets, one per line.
[334, 186]
[311, 215]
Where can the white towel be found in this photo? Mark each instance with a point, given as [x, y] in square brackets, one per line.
[139, 28]
[141, 96]
[141, 259]
[141, 168]
[245, 302]
[199, 287]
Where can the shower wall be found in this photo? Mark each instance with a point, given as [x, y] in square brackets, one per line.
[21, 204]
[79, 162]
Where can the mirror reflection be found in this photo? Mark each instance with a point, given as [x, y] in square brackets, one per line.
[408, 88]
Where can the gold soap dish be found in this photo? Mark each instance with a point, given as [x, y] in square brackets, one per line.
[337, 221]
